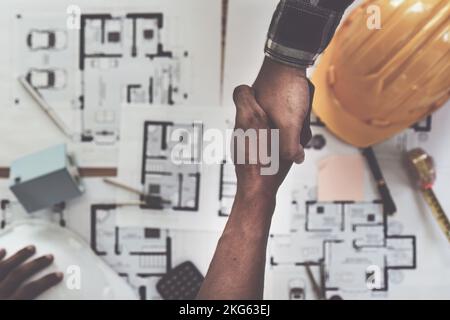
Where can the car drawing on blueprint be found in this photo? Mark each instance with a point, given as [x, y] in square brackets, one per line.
[46, 40]
[47, 78]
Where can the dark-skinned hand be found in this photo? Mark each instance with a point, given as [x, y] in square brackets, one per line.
[16, 270]
[283, 93]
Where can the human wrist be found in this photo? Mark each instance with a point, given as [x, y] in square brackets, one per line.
[272, 65]
[251, 216]
[257, 196]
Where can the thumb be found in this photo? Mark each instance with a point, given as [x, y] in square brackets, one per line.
[243, 95]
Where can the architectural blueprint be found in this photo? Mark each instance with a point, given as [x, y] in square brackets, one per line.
[174, 186]
[141, 255]
[356, 250]
[90, 60]
[176, 182]
[185, 190]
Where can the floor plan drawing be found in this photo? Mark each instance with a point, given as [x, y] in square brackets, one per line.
[115, 55]
[11, 210]
[118, 59]
[140, 255]
[169, 176]
[353, 248]
[113, 51]
[351, 245]
[162, 157]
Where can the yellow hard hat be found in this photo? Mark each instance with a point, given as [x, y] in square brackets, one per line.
[373, 83]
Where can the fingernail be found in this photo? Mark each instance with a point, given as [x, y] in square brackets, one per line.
[59, 275]
[31, 248]
[49, 257]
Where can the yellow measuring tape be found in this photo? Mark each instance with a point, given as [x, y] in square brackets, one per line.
[422, 169]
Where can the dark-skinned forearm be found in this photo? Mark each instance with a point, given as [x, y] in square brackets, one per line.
[237, 269]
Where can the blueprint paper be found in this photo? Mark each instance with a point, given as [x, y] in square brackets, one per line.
[244, 49]
[133, 52]
[201, 193]
[342, 239]
[192, 188]
[141, 255]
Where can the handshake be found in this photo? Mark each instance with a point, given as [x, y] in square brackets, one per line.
[280, 99]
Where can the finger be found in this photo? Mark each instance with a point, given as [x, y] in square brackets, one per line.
[2, 254]
[243, 95]
[22, 273]
[35, 288]
[16, 260]
[249, 114]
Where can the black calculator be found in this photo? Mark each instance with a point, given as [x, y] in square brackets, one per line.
[181, 283]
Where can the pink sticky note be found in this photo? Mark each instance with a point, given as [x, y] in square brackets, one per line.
[341, 178]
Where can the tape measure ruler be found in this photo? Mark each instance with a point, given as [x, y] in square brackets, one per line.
[422, 170]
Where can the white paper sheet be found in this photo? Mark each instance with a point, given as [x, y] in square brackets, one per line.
[24, 126]
[207, 216]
